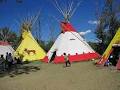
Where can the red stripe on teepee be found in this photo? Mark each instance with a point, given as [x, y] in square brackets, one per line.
[75, 58]
[4, 43]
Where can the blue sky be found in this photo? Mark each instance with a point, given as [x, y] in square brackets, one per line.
[83, 19]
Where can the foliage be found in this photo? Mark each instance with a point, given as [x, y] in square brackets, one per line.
[41, 43]
[49, 45]
[108, 24]
[7, 35]
[45, 46]
[93, 45]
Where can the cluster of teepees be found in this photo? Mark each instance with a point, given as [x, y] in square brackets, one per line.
[69, 41]
[114, 43]
[29, 49]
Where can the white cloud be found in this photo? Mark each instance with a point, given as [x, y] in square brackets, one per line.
[93, 22]
[84, 33]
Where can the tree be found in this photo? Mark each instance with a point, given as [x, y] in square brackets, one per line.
[48, 45]
[112, 21]
[7, 35]
[108, 24]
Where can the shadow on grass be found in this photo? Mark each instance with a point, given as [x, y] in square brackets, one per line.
[19, 69]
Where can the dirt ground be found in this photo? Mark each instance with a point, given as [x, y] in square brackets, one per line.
[80, 76]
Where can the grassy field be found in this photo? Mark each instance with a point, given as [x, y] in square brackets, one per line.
[80, 76]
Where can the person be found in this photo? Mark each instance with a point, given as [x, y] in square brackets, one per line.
[118, 63]
[2, 62]
[7, 55]
[2, 59]
[21, 58]
[66, 60]
[6, 60]
[9, 59]
[111, 59]
[107, 63]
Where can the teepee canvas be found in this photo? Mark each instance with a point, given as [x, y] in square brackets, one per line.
[71, 43]
[5, 47]
[29, 49]
[110, 48]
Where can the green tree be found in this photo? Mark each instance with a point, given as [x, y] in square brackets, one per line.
[7, 35]
[108, 24]
[48, 45]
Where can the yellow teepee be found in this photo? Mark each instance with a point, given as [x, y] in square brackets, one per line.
[108, 51]
[29, 49]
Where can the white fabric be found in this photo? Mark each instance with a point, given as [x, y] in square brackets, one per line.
[70, 43]
[6, 48]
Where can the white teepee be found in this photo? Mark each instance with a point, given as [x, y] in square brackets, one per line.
[69, 41]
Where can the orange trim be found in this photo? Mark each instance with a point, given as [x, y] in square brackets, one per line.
[105, 58]
[67, 27]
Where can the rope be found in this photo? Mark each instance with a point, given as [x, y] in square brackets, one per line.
[82, 41]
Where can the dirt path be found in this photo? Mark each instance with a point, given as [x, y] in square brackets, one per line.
[81, 76]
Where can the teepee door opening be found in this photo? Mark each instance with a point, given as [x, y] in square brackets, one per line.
[115, 55]
[53, 56]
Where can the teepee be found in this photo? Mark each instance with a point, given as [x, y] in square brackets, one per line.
[29, 48]
[5, 47]
[69, 41]
[114, 42]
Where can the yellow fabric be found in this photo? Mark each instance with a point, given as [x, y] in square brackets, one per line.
[115, 40]
[31, 45]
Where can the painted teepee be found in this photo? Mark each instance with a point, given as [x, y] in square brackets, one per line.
[109, 50]
[29, 48]
[69, 42]
[5, 47]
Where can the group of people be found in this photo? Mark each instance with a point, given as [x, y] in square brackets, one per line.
[8, 61]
